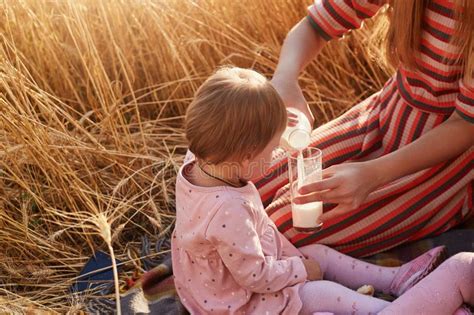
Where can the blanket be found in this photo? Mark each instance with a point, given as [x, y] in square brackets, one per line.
[154, 292]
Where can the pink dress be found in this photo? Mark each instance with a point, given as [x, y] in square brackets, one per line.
[228, 256]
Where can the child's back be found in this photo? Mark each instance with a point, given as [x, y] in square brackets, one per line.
[225, 249]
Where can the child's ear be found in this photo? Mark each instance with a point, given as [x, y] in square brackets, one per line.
[246, 159]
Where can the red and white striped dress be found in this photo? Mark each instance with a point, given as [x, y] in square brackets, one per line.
[410, 104]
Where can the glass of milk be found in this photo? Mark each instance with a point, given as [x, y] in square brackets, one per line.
[304, 167]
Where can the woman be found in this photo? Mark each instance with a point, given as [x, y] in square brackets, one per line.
[398, 166]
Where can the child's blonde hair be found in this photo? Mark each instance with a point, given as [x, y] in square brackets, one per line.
[235, 111]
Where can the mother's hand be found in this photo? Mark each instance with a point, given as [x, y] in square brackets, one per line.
[347, 185]
[292, 96]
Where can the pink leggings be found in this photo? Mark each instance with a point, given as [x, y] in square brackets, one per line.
[441, 292]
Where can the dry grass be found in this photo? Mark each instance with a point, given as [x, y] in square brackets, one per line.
[92, 97]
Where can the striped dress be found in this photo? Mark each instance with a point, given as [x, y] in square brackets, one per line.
[409, 105]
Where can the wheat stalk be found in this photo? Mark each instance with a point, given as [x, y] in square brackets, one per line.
[104, 230]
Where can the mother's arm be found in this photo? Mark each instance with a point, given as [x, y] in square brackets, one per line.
[349, 184]
[325, 20]
[301, 45]
[448, 140]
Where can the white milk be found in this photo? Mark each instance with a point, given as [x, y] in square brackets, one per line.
[300, 169]
[299, 136]
[306, 215]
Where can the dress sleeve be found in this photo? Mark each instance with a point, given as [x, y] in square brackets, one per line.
[333, 18]
[288, 249]
[465, 101]
[233, 232]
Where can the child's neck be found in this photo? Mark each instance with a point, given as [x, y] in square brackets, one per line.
[223, 175]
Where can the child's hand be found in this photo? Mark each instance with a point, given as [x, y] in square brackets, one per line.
[313, 269]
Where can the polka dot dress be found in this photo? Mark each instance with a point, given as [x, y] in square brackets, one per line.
[228, 256]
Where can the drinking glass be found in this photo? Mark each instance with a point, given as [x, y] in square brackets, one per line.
[305, 167]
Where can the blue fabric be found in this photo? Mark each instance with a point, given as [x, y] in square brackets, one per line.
[96, 274]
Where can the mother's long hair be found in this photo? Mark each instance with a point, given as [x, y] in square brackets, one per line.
[403, 37]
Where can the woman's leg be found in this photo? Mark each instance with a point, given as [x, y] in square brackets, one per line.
[441, 292]
[327, 296]
[422, 204]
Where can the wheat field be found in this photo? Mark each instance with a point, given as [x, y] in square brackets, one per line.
[92, 98]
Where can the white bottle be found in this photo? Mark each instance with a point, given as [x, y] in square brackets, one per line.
[297, 137]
